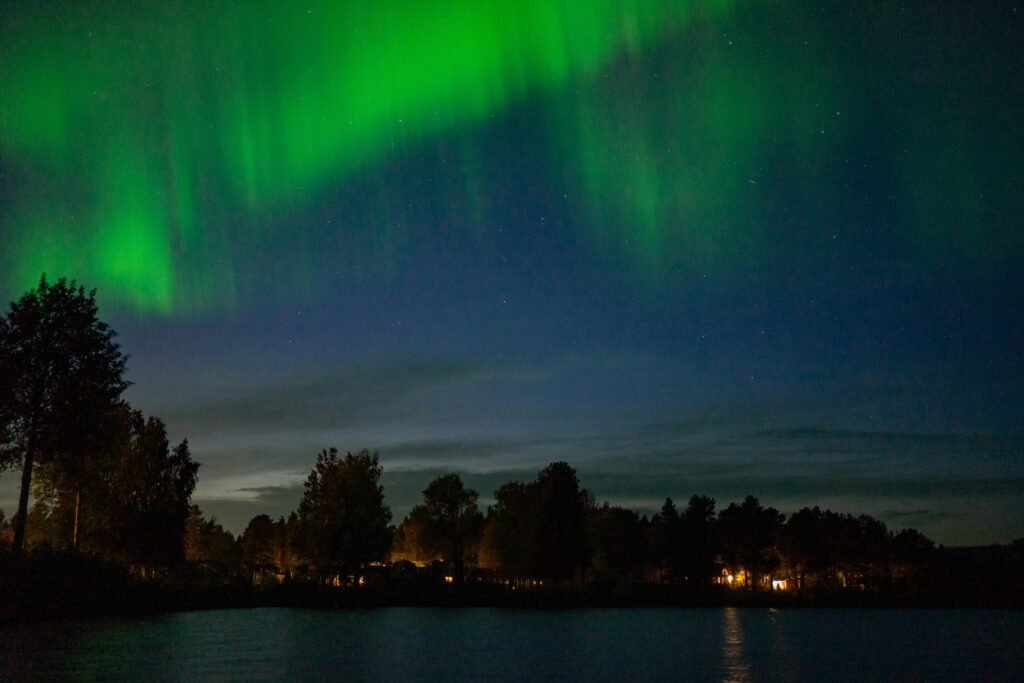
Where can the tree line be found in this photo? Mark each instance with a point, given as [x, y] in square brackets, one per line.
[549, 530]
[107, 483]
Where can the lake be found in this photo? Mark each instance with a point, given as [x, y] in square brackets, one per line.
[721, 644]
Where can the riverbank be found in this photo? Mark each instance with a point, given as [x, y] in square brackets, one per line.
[65, 585]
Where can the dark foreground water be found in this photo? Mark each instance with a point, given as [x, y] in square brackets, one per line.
[494, 645]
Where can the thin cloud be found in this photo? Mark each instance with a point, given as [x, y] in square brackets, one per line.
[294, 404]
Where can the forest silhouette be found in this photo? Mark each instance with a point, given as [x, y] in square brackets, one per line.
[112, 528]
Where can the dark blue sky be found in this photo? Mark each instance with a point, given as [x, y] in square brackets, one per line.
[777, 251]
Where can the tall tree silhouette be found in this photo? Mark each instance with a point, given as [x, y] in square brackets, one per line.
[617, 543]
[343, 519]
[451, 522]
[666, 542]
[750, 535]
[540, 528]
[258, 551]
[701, 540]
[58, 362]
[805, 543]
[511, 525]
[562, 548]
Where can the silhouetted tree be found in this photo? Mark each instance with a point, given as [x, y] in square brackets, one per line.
[137, 493]
[805, 544]
[343, 519]
[210, 545]
[257, 544]
[868, 555]
[561, 550]
[512, 524]
[666, 542]
[540, 527]
[913, 558]
[617, 543]
[450, 522]
[410, 541]
[58, 366]
[750, 534]
[285, 533]
[701, 540]
[81, 457]
[911, 547]
[142, 494]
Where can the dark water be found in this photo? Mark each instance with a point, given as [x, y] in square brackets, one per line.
[485, 644]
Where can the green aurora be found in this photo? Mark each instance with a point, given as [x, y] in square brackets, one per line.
[150, 149]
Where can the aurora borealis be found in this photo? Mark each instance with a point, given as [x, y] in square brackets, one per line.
[191, 125]
[726, 245]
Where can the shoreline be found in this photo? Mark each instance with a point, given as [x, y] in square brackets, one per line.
[153, 598]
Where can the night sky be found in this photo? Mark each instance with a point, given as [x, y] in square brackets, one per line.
[718, 247]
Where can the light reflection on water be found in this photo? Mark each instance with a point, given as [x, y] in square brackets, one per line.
[513, 645]
[735, 667]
